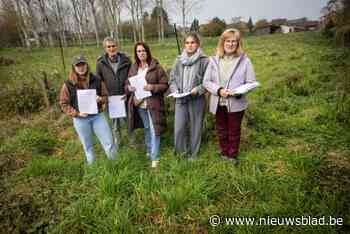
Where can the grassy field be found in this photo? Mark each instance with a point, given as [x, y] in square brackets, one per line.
[295, 152]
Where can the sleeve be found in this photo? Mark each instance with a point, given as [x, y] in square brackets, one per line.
[162, 85]
[172, 81]
[99, 73]
[250, 76]
[208, 80]
[104, 93]
[65, 102]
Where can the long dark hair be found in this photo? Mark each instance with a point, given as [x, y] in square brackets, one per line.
[148, 52]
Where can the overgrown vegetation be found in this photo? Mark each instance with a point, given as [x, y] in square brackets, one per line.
[295, 155]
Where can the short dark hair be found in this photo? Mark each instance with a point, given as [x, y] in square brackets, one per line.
[148, 52]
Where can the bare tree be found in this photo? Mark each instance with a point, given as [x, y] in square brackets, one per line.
[58, 13]
[79, 9]
[47, 24]
[160, 19]
[132, 9]
[186, 7]
[114, 9]
[33, 20]
[94, 16]
[161, 8]
[141, 4]
[21, 24]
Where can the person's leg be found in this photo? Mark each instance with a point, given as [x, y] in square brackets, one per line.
[155, 140]
[116, 132]
[234, 133]
[145, 120]
[180, 128]
[84, 129]
[196, 113]
[103, 132]
[221, 128]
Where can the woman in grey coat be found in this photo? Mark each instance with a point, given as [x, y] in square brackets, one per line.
[186, 77]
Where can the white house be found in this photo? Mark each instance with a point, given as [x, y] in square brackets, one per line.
[287, 29]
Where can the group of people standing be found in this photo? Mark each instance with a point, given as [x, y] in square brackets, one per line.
[192, 76]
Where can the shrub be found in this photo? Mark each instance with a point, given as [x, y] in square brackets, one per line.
[21, 98]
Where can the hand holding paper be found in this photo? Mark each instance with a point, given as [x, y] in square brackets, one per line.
[116, 106]
[87, 101]
[179, 95]
[243, 89]
[139, 82]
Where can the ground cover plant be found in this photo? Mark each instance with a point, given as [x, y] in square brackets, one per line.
[294, 152]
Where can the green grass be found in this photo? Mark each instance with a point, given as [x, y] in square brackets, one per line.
[294, 155]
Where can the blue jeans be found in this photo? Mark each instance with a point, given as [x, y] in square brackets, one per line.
[151, 140]
[97, 124]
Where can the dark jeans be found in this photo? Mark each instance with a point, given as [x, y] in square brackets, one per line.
[228, 126]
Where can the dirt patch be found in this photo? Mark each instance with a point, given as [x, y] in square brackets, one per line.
[299, 145]
[280, 167]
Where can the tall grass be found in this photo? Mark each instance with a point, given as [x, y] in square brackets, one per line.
[287, 133]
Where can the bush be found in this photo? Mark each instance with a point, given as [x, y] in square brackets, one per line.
[21, 98]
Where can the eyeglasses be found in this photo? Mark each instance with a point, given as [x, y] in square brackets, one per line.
[111, 46]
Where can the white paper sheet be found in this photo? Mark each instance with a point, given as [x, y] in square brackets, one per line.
[179, 95]
[116, 106]
[139, 82]
[243, 89]
[87, 101]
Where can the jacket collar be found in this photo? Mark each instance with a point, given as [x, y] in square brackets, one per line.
[216, 59]
[122, 58]
[153, 65]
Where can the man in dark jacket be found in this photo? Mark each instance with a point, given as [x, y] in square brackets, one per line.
[113, 68]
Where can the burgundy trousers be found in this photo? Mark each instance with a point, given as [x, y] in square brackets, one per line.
[228, 127]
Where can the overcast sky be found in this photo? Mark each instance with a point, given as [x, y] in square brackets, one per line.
[258, 9]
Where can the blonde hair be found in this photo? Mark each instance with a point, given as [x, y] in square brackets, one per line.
[226, 34]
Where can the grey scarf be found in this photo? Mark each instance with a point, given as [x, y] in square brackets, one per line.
[189, 70]
[190, 60]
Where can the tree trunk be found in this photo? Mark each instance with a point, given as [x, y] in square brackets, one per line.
[48, 27]
[183, 14]
[93, 11]
[60, 20]
[21, 25]
[158, 21]
[33, 22]
[132, 11]
[161, 20]
[79, 7]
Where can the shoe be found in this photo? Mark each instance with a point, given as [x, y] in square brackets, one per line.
[192, 159]
[235, 161]
[155, 163]
[224, 157]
